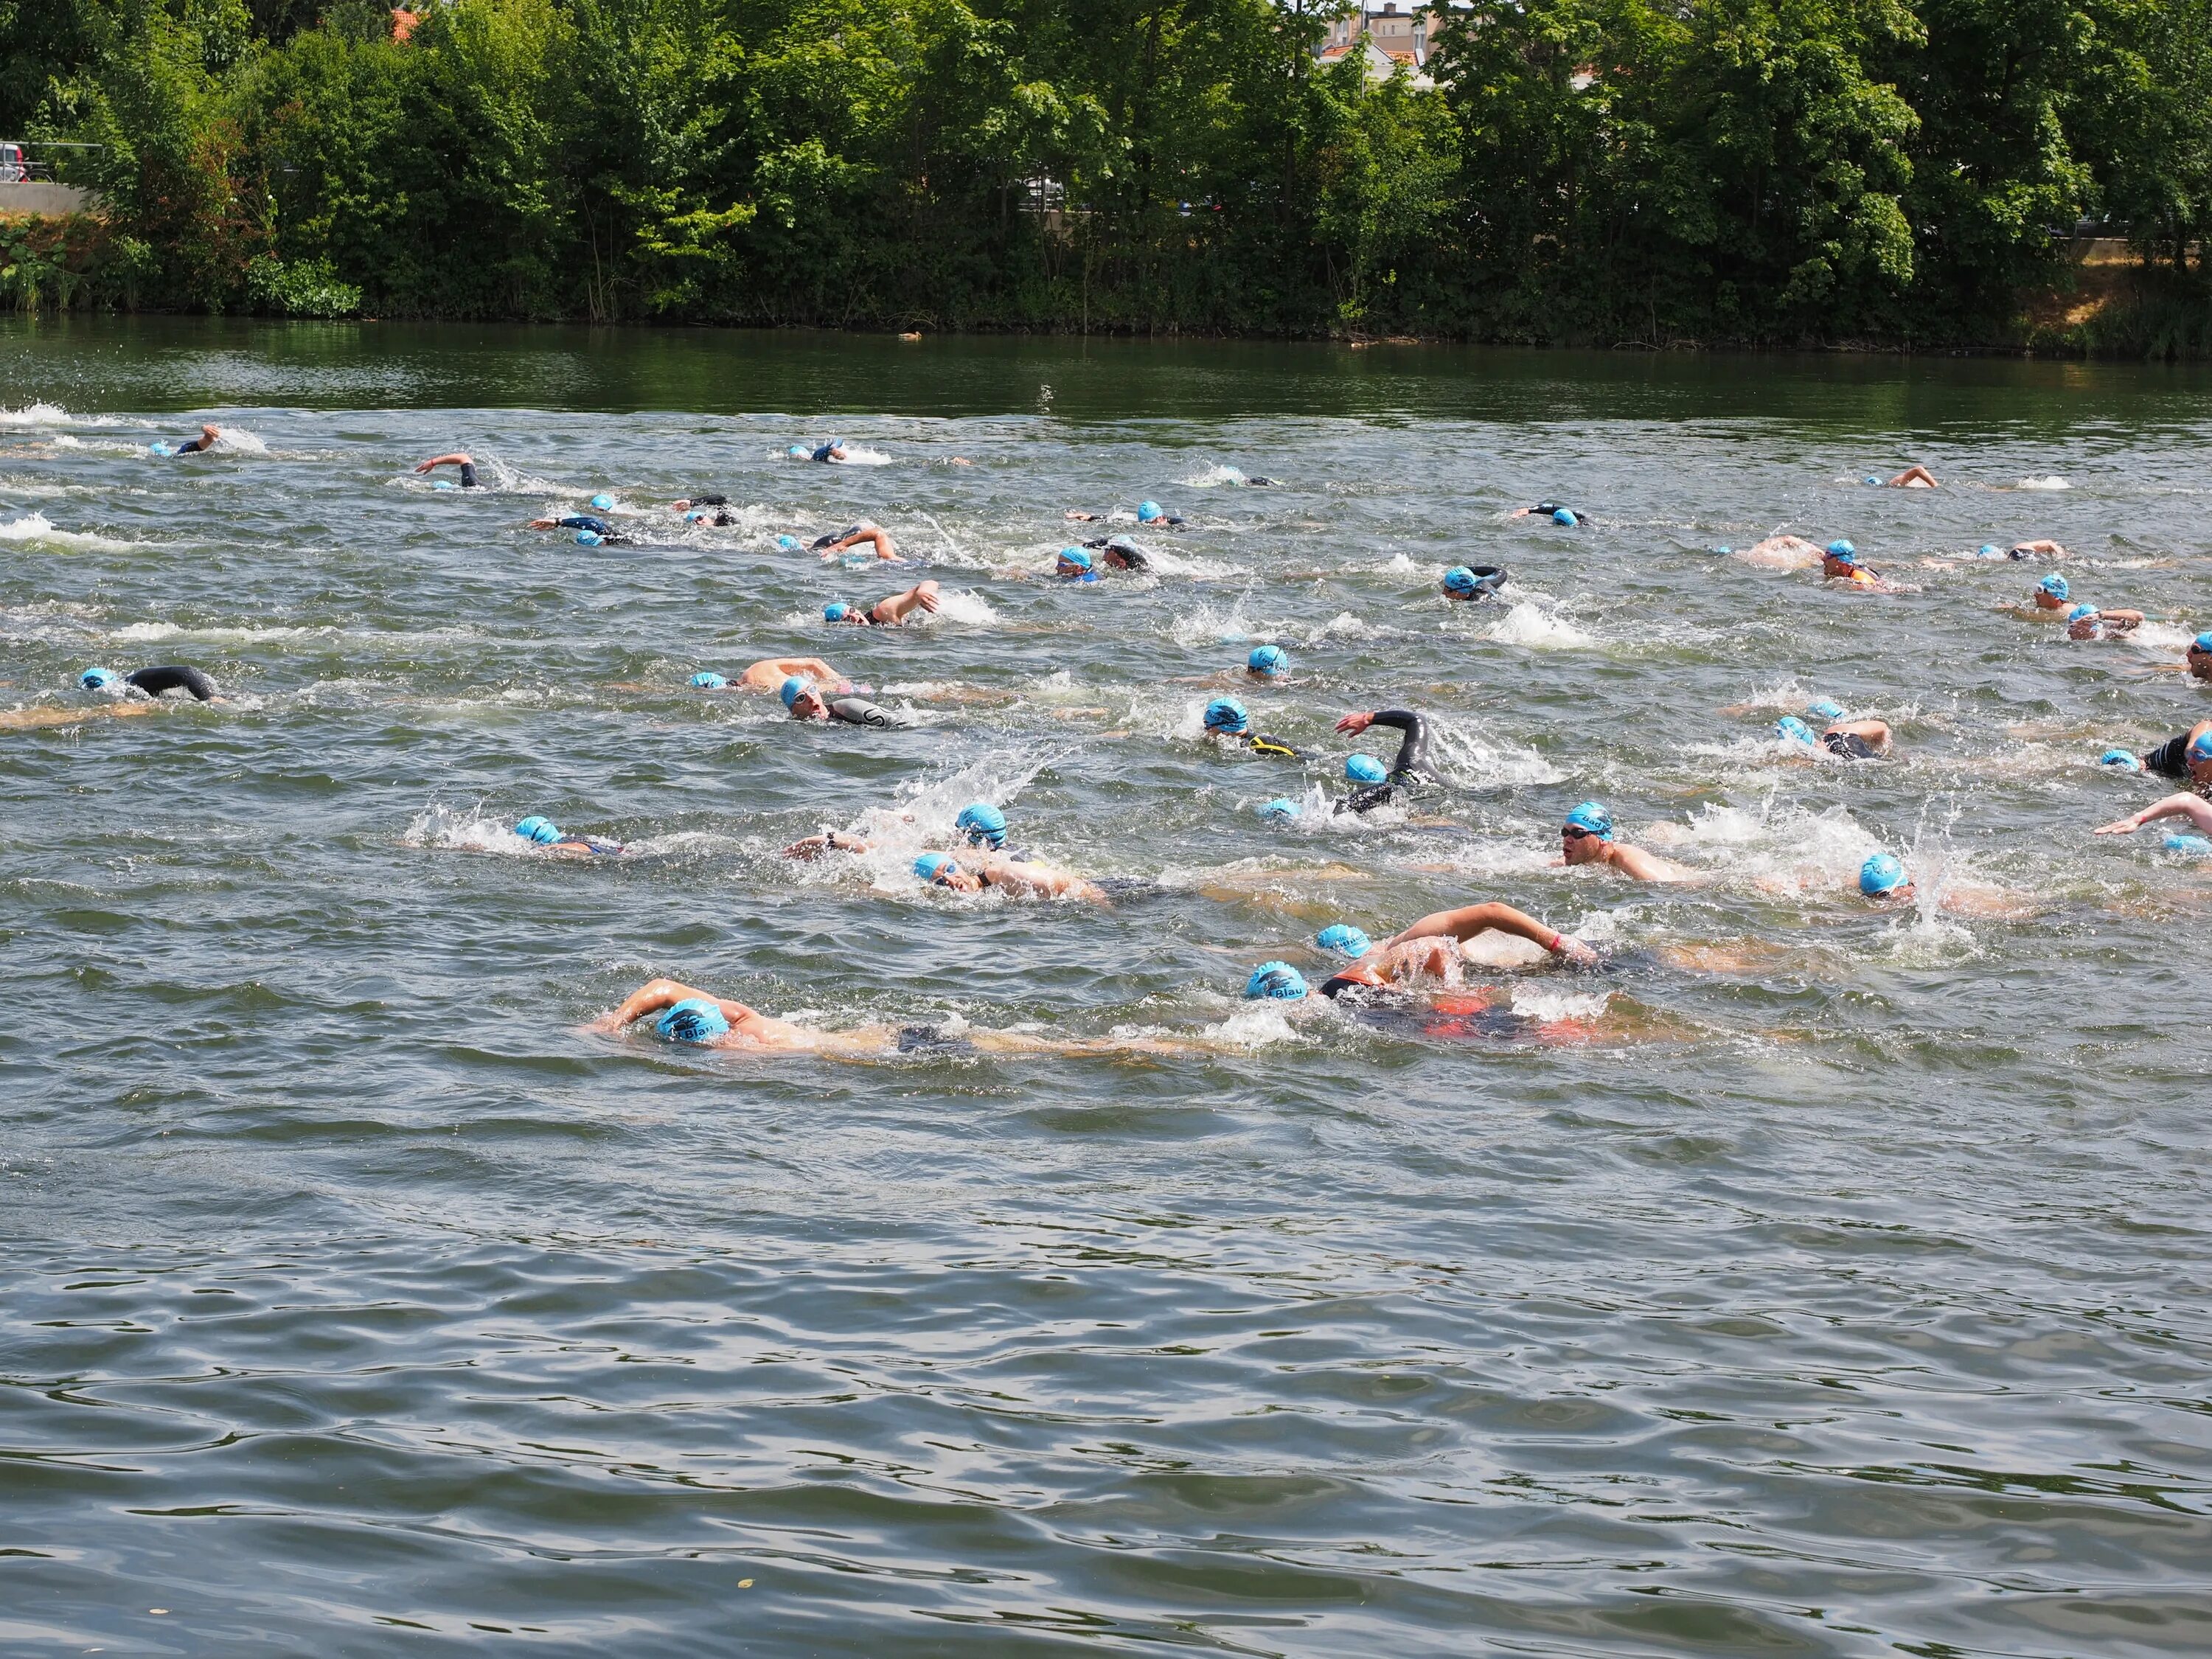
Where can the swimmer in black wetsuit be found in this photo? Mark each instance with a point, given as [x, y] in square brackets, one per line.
[1552, 511]
[838, 541]
[695, 510]
[1226, 718]
[154, 681]
[885, 613]
[584, 524]
[2190, 756]
[2173, 759]
[1409, 772]
[806, 703]
[1120, 553]
[205, 441]
[832, 451]
[457, 459]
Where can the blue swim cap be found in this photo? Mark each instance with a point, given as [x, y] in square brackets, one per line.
[1363, 768]
[589, 538]
[1872, 479]
[2195, 845]
[2121, 758]
[541, 830]
[1460, 579]
[1344, 940]
[1076, 556]
[2054, 584]
[929, 864]
[1226, 714]
[1281, 807]
[1278, 980]
[708, 680]
[790, 688]
[798, 451]
[1882, 874]
[161, 446]
[443, 483]
[1590, 815]
[2201, 642]
[1796, 730]
[1565, 515]
[1824, 708]
[1148, 510]
[1843, 551]
[1988, 550]
[982, 821]
[2082, 613]
[96, 679]
[788, 544]
[2200, 749]
[1267, 659]
[835, 613]
[602, 501]
[695, 1019]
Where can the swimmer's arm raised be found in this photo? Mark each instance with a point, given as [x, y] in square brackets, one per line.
[2183, 806]
[656, 994]
[1464, 924]
[457, 459]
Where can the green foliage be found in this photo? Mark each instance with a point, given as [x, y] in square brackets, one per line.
[1776, 171]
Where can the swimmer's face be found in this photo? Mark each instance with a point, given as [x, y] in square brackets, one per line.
[960, 881]
[808, 706]
[1580, 846]
[1895, 898]
[2086, 628]
[2200, 663]
[2200, 771]
[2046, 601]
[1832, 566]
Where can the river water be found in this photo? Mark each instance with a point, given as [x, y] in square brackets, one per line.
[1811, 1280]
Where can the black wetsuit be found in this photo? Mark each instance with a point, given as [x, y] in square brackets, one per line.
[719, 503]
[823, 543]
[1122, 553]
[1410, 771]
[823, 453]
[1260, 744]
[197, 446]
[1849, 744]
[858, 711]
[173, 676]
[468, 475]
[2170, 759]
[599, 527]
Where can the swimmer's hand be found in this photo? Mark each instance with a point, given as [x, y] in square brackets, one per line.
[927, 597]
[1570, 949]
[828, 842]
[2126, 826]
[1355, 722]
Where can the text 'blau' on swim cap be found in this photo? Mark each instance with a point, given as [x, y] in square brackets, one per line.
[1278, 980]
[695, 1019]
[708, 680]
[1344, 940]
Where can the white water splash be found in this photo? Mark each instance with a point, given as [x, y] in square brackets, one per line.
[36, 528]
[2049, 481]
[1530, 625]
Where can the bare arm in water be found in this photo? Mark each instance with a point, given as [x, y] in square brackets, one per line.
[1465, 923]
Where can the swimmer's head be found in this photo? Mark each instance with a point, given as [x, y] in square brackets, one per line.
[1871, 479]
[708, 680]
[1276, 980]
[1825, 708]
[1988, 550]
[2201, 645]
[2195, 845]
[695, 1019]
[1565, 515]
[1793, 730]
[2200, 748]
[1268, 659]
[1074, 562]
[97, 679]
[2120, 760]
[1148, 512]
[602, 502]
[2083, 613]
[1460, 583]
[589, 538]
[835, 613]
[791, 690]
[1843, 552]
[544, 831]
[982, 824]
[1363, 768]
[797, 452]
[929, 864]
[1588, 819]
[1344, 940]
[1882, 874]
[2054, 584]
[788, 544]
[1280, 809]
[1226, 714]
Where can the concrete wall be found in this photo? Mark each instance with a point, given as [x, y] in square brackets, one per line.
[44, 198]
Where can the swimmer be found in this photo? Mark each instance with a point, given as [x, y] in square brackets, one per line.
[597, 530]
[2188, 755]
[696, 509]
[1884, 882]
[832, 451]
[806, 703]
[1914, 478]
[1554, 511]
[209, 436]
[885, 613]
[852, 535]
[1840, 561]
[1228, 719]
[1586, 837]
[154, 682]
[2037, 549]
[2188, 804]
[1409, 772]
[1120, 553]
[2199, 659]
[971, 872]
[1072, 564]
[1473, 581]
[1154, 513]
[1846, 740]
[457, 459]
[2052, 594]
[1432, 948]
[1267, 662]
[982, 825]
[543, 832]
[769, 673]
[2085, 622]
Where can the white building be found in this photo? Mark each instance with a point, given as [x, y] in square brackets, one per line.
[1386, 33]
